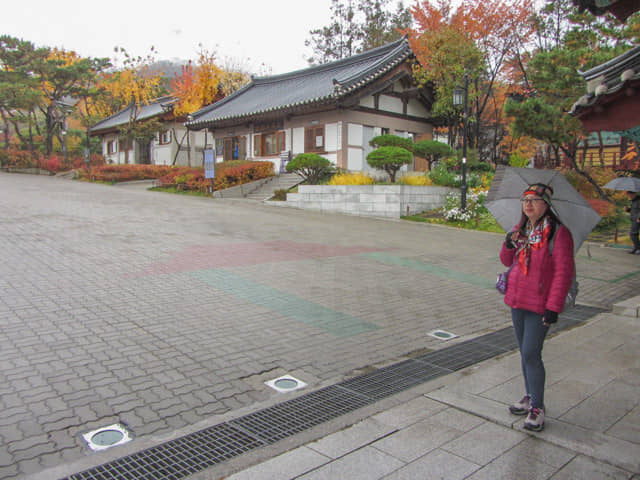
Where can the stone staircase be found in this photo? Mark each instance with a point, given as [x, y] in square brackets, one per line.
[278, 182]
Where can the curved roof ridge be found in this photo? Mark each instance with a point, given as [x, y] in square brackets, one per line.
[620, 61]
[219, 103]
[317, 84]
[384, 50]
[401, 48]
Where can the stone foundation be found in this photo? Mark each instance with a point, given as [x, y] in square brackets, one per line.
[369, 200]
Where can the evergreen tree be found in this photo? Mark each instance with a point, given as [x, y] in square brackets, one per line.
[356, 27]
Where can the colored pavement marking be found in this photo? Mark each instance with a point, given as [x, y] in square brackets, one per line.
[201, 257]
[432, 269]
[331, 321]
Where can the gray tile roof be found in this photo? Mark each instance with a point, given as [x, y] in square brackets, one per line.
[608, 79]
[326, 83]
[155, 108]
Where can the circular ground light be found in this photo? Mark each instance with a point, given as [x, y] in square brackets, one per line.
[107, 438]
[286, 383]
[442, 334]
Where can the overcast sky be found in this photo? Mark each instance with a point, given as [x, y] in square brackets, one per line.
[252, 32]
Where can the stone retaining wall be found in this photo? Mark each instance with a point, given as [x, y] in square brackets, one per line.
[369, 200]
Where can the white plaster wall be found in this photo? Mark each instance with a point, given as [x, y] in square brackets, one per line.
[298, 141]
[331, 137]
[416, 109]
[355, 159]
[368, 102]
[162, 154]
[390, 104]
[354, 135]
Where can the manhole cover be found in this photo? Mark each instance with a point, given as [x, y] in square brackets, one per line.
[106, 437]
[286, 383]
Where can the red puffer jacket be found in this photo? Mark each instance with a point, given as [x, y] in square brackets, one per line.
[548, 279]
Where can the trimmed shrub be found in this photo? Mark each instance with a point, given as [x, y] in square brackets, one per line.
[311, 166]
[431, 150]
[392, 141]
[389, 159]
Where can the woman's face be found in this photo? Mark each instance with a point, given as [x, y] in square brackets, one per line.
[533, 207]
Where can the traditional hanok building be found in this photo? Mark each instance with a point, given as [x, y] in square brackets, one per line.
[612, 101]
[173, 143]
[333, 109]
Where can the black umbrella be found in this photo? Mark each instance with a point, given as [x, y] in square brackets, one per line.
[503, 200]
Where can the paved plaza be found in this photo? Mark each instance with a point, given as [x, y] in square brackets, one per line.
[166, 312]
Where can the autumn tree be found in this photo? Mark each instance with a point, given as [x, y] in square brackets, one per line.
[62, 77]
[568, 42]
[477, 38]
[132, 84]
[356, 27]
[194, 88]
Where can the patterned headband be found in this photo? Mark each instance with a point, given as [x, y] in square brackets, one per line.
[540, 189]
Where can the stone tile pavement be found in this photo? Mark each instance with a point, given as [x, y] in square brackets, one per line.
[460, 428]
[167, 313]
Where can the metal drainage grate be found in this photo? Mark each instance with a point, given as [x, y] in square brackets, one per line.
[178, 458]
[294, 416]
[193, 453]
[393, 379]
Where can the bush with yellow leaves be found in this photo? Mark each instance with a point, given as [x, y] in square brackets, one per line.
[356, 178]
[418, 180]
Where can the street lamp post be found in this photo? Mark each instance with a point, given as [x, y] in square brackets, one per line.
[64, 144]
[461, 97]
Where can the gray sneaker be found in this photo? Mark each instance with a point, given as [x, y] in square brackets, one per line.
[521, 407]
[535, 420]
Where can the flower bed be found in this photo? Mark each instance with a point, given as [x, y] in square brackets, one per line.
[228, 174]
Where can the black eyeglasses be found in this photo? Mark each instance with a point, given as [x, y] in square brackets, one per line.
[531, 200]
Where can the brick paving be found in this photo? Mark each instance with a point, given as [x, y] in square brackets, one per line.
[158, 311]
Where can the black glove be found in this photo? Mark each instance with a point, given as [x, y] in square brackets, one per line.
[509, 243]
[550, 316]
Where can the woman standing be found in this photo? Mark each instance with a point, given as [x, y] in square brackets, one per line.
[536, 290]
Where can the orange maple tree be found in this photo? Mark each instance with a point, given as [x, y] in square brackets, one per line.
[197, 86]
[480, 38]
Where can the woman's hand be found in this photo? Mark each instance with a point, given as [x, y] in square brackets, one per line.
[512, 238]
[549, 317]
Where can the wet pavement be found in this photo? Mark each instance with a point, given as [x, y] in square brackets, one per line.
[166, 313]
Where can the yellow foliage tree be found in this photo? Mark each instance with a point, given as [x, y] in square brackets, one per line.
[134, 83]
[197, 86]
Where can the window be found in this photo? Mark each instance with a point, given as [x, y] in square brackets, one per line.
[234, 148]
[266, 144]
[164, 138]
[314, 139]
[112, 147]
[385, 131]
